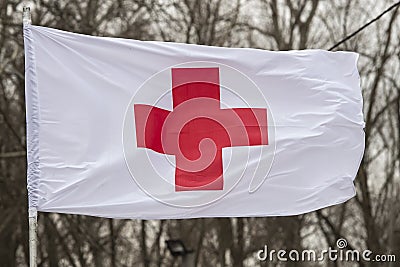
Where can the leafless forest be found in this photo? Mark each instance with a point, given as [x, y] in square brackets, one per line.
[370, 220]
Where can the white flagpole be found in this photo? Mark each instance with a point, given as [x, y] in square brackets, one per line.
[32, 237]
[26, 15]
[32, 214]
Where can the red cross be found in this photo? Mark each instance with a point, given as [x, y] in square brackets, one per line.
[197, 129]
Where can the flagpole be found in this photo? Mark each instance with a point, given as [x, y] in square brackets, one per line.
[32, 237]
[32, 212]
[26, 15]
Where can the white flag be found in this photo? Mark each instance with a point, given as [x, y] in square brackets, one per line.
[131, 129]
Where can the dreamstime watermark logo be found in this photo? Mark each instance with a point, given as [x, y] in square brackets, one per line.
[340, 253]
[192, 130]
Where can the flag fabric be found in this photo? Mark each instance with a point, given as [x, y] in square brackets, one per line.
[142, 129]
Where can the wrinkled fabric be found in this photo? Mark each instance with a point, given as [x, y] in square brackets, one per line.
[78, 89]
